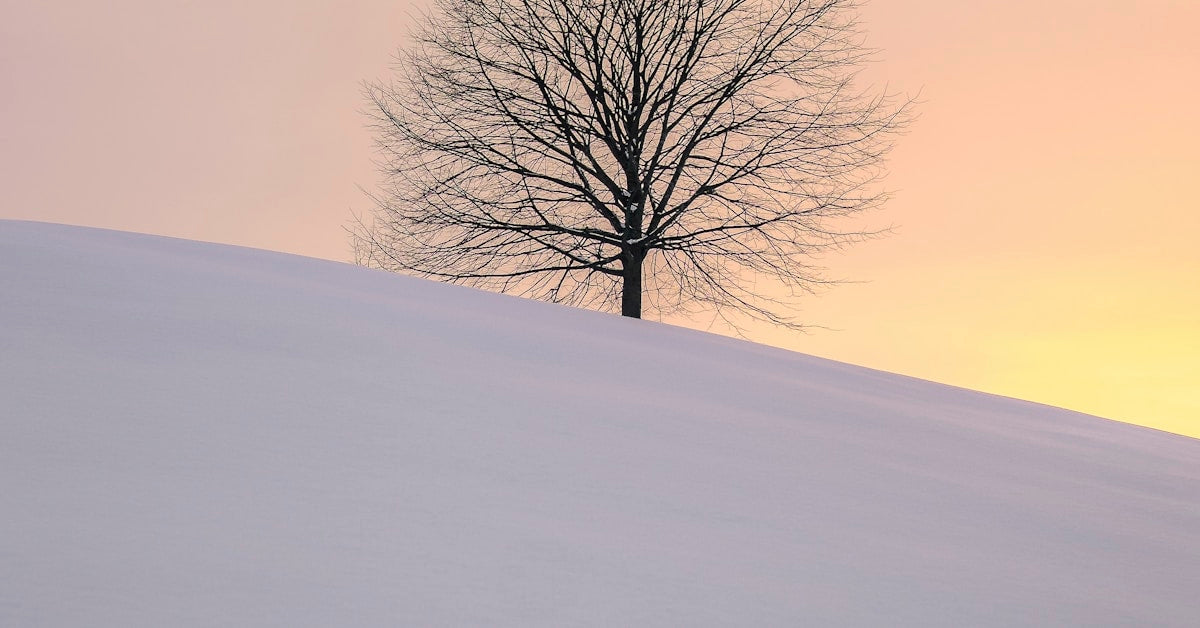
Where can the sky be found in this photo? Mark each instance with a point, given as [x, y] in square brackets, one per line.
[1044, 210]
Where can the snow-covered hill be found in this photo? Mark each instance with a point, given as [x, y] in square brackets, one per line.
[202, 435]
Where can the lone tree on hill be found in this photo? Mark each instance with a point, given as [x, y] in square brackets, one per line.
[592, 151]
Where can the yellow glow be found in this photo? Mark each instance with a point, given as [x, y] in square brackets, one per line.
[1106, 341]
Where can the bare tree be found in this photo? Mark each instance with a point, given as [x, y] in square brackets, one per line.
[590, 151]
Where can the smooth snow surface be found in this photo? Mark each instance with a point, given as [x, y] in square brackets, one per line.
[203, 435]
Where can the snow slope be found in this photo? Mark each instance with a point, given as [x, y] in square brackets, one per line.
[203, 435]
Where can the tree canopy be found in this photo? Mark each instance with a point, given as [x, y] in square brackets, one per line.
[591, 152]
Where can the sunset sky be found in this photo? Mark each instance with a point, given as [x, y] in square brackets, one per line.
[1045, 209]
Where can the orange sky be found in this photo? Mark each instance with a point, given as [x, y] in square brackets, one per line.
[1046, 207]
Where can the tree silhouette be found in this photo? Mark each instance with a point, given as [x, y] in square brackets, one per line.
[592, 151]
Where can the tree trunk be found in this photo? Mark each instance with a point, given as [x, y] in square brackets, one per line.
[631, 287]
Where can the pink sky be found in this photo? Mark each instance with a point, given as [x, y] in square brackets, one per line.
[1046, 206]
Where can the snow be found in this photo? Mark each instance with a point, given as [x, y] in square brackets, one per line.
[202, 435]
